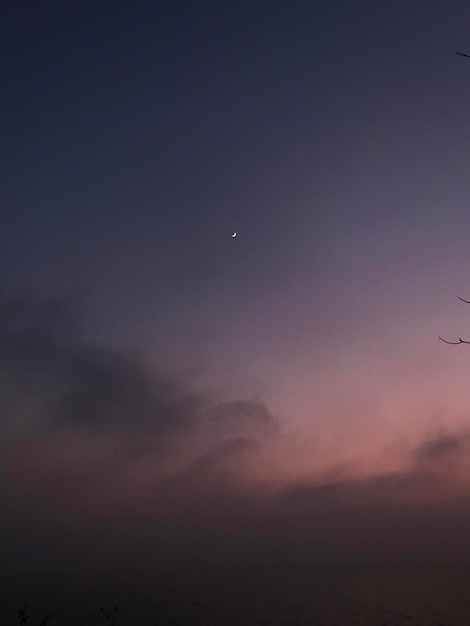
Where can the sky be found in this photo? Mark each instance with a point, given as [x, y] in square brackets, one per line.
[170, 392]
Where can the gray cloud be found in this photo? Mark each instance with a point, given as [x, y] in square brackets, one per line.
[78, 417]
[107, 464]
[63, 381]
[442, 447]
[240, 416]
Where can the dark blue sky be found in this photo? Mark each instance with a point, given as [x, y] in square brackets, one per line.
[139, 135]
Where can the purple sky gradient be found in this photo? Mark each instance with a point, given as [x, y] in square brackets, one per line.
[197, 394]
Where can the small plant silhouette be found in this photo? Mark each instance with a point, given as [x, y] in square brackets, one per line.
[109, 617]
[22, 615]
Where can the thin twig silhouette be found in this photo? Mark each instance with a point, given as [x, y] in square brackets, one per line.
[456, 343]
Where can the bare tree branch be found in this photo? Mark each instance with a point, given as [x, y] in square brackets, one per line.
[463, 55]
[456, 343]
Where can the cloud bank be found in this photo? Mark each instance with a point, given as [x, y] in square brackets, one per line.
[110, 466]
